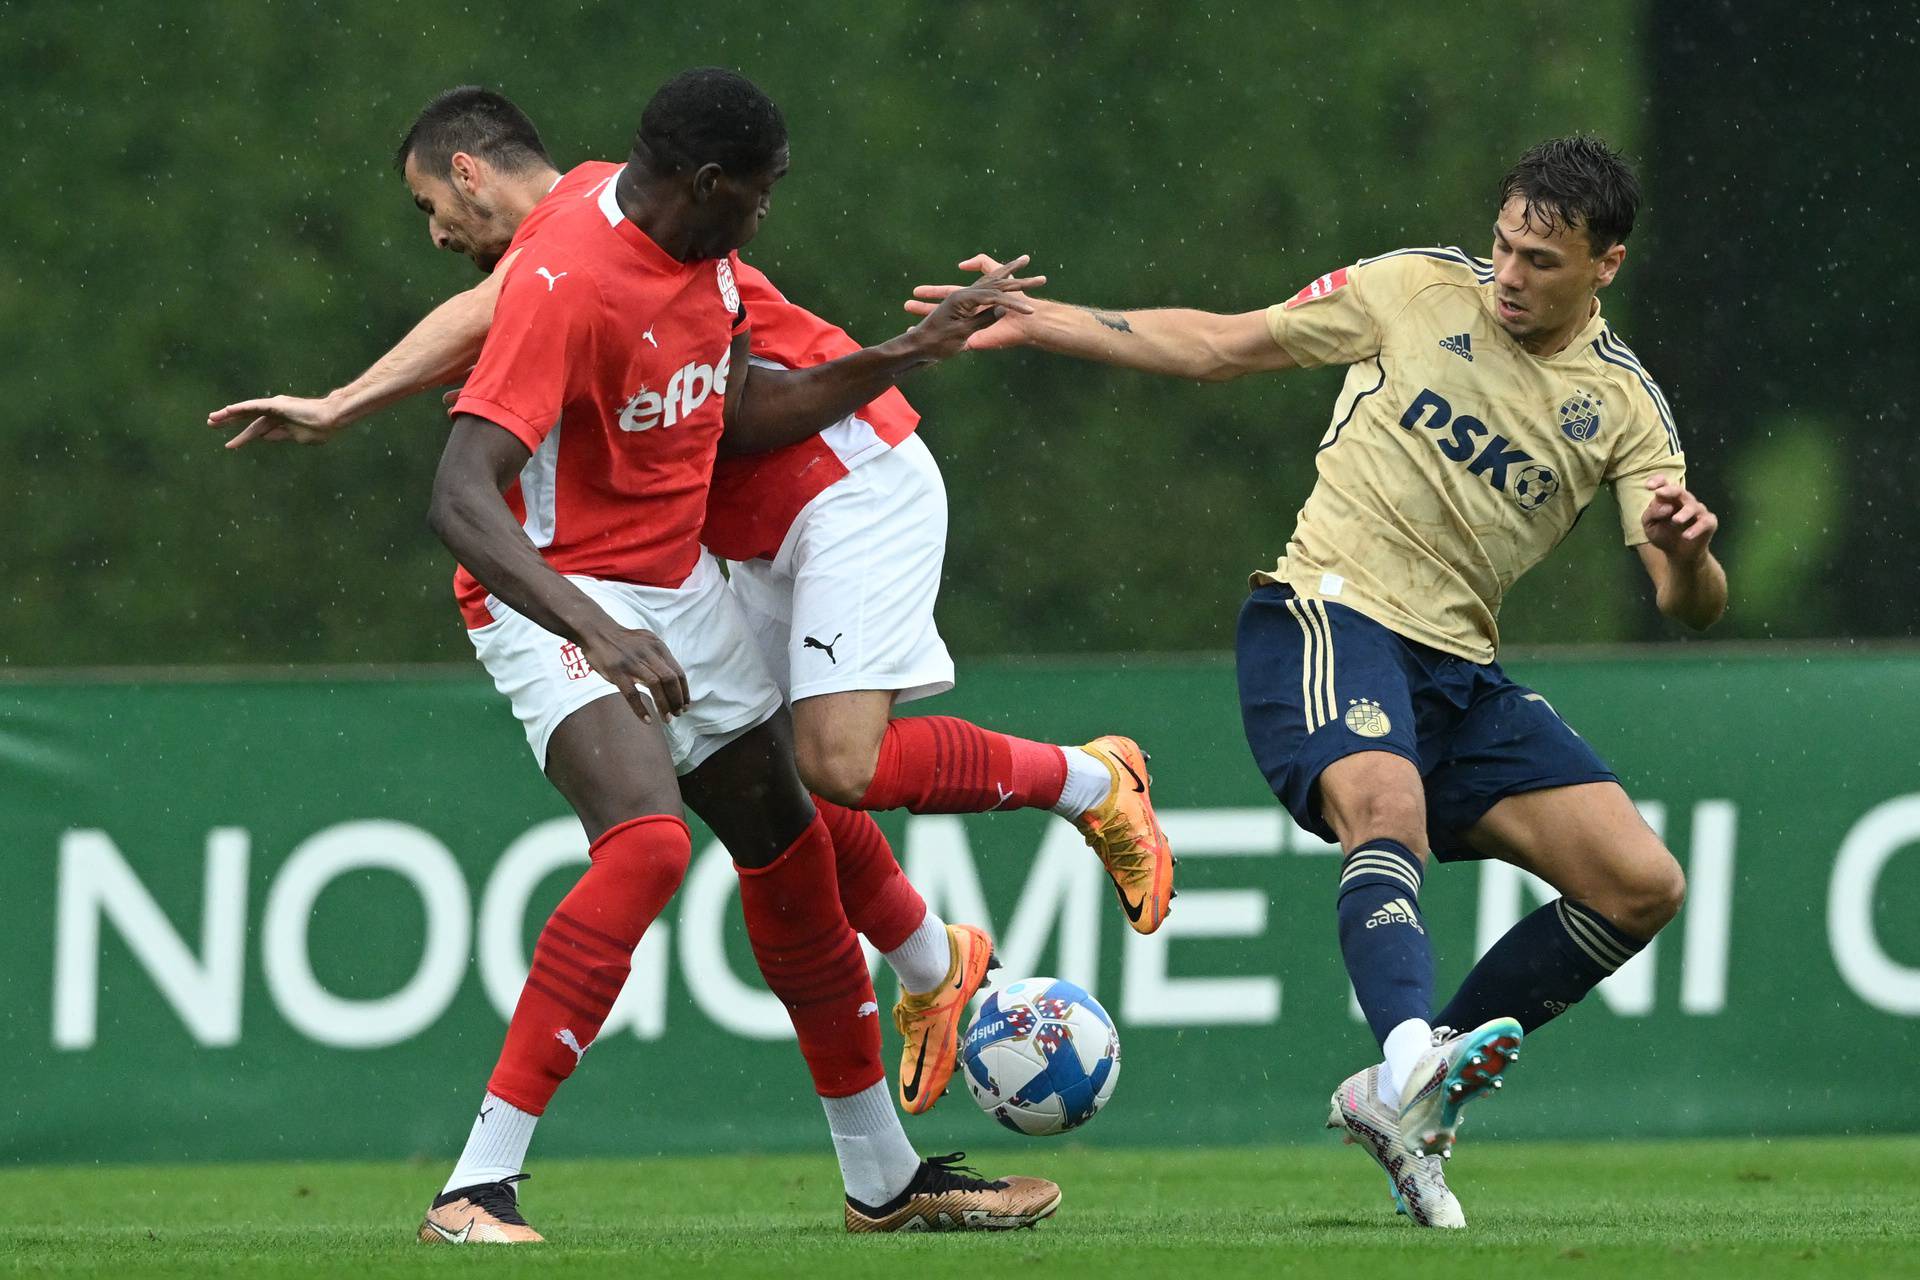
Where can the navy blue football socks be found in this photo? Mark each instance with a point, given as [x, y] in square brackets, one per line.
[1382, 936]
[1540, 967]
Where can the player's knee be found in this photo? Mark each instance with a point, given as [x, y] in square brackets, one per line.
[1391, 815]
[837, 771]
[1647, 894]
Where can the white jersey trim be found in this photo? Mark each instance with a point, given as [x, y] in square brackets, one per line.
[538, 480]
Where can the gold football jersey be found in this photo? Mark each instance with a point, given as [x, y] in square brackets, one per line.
[1455, 460]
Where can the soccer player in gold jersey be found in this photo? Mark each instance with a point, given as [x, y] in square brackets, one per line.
[1486, 402]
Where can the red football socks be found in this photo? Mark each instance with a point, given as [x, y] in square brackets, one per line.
[584, 953]
[811, 960]
[937, 764]
[881, 904]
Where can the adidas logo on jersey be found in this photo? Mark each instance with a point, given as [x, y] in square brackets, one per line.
[1399, 911]
[686, 391]
[1461, 344]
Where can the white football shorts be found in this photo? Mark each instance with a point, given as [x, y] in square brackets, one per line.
[848, 601]
[547, 678]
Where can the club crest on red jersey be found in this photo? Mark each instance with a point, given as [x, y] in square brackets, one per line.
[729, 292]
[1325, 285]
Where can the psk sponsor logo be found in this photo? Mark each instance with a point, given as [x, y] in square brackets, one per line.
[574, 661]
[729, 292]
[1486, 453]
[1365, 718]
[1580, 417]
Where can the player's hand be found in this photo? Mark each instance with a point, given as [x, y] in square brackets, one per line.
[633, 660]
[300, 419]
[1676, 522]
[987, 330]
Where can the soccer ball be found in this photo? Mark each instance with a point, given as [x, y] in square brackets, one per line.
[1534, 485]
[1041, 1056]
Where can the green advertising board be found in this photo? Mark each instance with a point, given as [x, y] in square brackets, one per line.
[250, 918]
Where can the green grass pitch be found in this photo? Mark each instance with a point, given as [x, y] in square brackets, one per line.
[1802, 1207]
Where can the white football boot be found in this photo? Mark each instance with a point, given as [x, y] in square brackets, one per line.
[1419, 1187]
[1460, 1067]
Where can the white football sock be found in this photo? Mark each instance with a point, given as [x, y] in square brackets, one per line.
[1089, 782]
[925, 959]
[1406, 1045]
[497, 1147]
[876, 1160]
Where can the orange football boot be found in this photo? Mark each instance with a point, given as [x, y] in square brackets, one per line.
[930, 1023]
[1128, 838]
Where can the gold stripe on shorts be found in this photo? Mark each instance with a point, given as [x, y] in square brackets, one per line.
[1309, 663]
[1318, 610]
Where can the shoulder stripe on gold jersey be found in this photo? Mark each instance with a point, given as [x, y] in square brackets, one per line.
[1617, 353]
[1481, 268]
[1621, 349]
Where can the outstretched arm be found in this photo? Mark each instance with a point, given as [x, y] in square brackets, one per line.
[438, 350]
[1177, 342]
[776, 407]
[1689, 584]
[470, 516]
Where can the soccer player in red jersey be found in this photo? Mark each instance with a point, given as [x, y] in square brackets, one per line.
[572, 492]
[836, 542]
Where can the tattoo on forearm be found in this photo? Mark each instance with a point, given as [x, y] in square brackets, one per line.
[1112, 319]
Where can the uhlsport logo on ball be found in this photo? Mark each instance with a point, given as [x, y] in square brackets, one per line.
[1041, 1056]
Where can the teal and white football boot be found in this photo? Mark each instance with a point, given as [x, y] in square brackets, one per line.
[1459, 1068]
[1418, 1183]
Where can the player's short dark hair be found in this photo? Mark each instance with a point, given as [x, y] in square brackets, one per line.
[1578, 182]
[477, 121]
[710, 115]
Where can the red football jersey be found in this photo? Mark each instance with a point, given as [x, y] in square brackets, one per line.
[756, 496]
[609, 359]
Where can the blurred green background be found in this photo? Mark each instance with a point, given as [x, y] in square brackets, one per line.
[202, 207]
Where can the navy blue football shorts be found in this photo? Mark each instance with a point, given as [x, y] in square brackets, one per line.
[1320, 681]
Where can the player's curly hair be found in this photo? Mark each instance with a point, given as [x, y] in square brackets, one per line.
[477, 121]
[1579, 182]
[709, 115]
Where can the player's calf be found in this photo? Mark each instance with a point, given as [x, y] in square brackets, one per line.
[1542, 966]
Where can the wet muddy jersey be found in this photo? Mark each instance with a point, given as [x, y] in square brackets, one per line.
[1455, 460]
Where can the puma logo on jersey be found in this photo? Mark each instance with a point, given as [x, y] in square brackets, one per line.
[688, 389]
[867, 1009]
[565, 1036]
[655, 342]
[1399, 911]
[549, 277]
[1504, 466]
